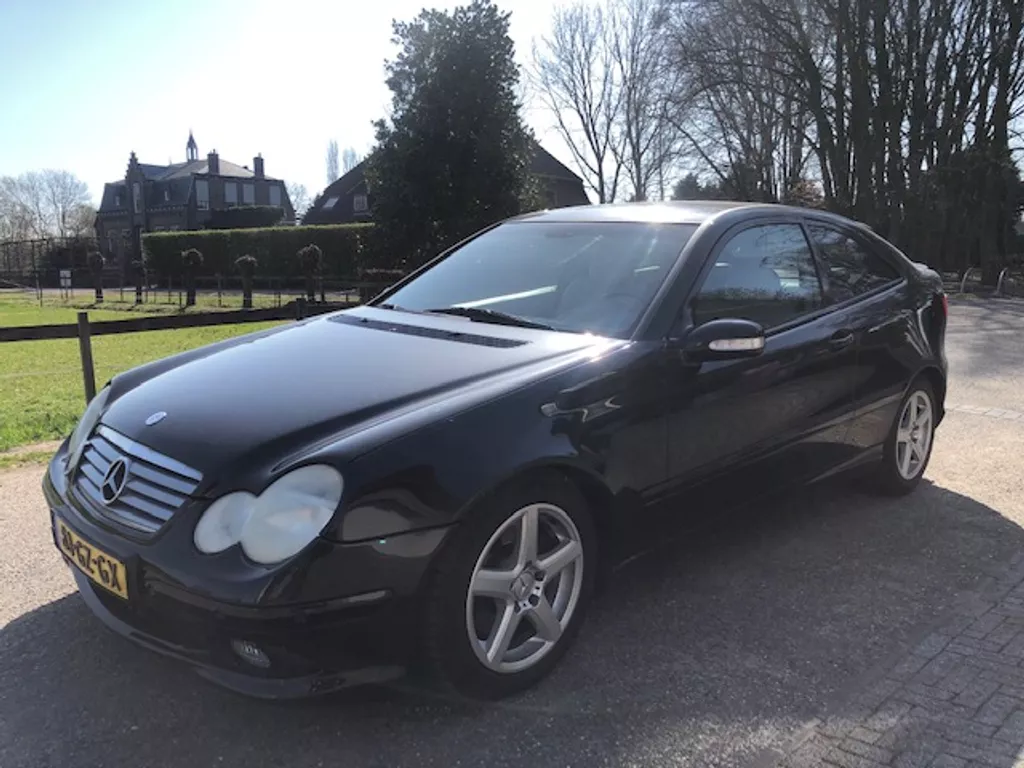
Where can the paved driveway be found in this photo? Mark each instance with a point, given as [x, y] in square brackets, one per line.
[717, 651]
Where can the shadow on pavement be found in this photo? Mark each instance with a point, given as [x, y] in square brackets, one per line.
[702, 653]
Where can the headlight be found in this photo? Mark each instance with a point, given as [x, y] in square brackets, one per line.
[279, 522]
[86, 425]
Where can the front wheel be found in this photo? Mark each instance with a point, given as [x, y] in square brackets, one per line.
[510, 593]
[909, 445]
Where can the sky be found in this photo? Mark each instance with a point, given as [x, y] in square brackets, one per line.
[94, 80]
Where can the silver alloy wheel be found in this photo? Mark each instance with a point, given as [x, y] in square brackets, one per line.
[524, 588]
[914, 435]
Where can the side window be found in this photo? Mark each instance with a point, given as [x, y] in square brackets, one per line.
[852, 269]
[765, 274]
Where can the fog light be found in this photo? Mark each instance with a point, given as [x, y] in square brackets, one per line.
[251, 653]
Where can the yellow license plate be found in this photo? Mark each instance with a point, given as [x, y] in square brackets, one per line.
[107, 571]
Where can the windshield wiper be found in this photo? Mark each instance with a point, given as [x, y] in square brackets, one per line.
[479, 315]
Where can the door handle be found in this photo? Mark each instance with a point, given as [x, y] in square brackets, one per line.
[841, 339]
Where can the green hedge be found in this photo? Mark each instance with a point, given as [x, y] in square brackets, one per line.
[246, 216]
[345, 249]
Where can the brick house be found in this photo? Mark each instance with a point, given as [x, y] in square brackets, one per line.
[180, 196]
[348, 201]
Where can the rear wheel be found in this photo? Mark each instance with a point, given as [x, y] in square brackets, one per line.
[511, 592]
[909, 445]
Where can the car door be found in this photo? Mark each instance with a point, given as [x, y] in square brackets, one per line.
[744, 426]
[872, 295]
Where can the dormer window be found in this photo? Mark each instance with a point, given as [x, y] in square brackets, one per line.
[118, 200]
[167, 195]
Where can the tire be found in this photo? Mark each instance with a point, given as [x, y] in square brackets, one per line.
[893, 476]
[488, 541]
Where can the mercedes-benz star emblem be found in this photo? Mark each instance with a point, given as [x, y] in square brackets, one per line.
[156, 418]
[114, 481]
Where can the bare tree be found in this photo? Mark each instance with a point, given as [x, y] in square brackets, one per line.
[44, 204]
[638, 44]
[905, 106]
[738, 117]
[574, 76]
[82, 221]
[604, 75]
[349, 159]
[64, 197]
[299, 196]
[332, 161]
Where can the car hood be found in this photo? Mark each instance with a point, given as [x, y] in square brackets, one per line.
[265, 395]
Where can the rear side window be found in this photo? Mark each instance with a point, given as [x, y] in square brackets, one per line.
[765, 274]
[851, 268]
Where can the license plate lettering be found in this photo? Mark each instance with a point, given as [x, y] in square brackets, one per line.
[84, 556]
[101, 568]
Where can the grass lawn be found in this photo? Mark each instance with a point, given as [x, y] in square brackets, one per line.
[41, 394]
[19, 308]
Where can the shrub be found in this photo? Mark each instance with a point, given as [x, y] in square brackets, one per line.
[246, 265]
[343, 248]
[311, 259]
[191, 259]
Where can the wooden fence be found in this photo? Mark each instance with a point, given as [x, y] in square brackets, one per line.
[84, 330]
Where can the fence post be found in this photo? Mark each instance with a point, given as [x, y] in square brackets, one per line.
[85, 349]
[300, 308]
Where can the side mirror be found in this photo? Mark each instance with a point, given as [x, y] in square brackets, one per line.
[724, 339]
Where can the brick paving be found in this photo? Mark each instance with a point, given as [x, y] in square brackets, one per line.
[955, 701]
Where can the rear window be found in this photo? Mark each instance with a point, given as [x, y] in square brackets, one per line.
[851, 268]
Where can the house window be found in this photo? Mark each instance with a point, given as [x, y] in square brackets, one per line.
[118, 200]
[167, 195]
[202, 194]
[275, 195]
[330, 203]
[231, 193]
[359, 204]
[137, 196]
[248, 194]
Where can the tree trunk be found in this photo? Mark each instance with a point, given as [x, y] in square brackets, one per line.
[190, 290]
[140, 276]
[97, 281]
[246, 292]
[310, 288]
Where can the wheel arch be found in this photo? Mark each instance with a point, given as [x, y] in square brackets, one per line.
[596, 493]
[937, 379]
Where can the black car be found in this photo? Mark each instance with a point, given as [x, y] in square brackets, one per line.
[442, 475]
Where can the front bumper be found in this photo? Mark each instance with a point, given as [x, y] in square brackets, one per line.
[312, 647]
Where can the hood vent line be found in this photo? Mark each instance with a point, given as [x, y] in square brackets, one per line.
[430, 333]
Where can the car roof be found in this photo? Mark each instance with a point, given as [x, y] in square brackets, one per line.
[674, 212]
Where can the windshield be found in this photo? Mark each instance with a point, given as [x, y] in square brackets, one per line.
[595, 277]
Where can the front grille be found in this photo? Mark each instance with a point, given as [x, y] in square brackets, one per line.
[156, 486]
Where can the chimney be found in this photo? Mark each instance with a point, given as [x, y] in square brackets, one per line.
[257, 165]
[213, 163]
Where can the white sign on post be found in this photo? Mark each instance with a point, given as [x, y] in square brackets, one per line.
[65, 278]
